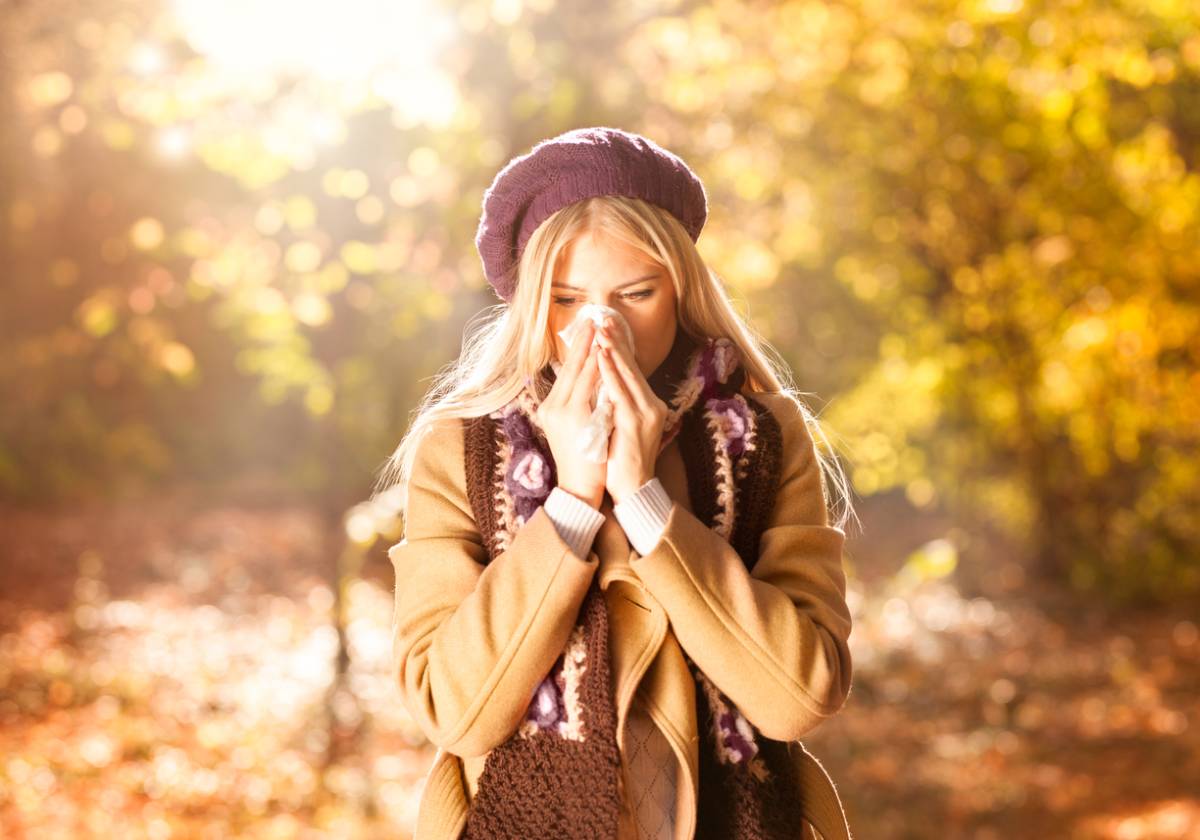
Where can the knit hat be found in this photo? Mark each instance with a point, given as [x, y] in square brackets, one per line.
[578, 164]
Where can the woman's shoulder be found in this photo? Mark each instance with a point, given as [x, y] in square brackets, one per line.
[438, 458]
[784, 407]
[796, 438]
[801, 471]
[440, 437]
[450, 445]
[437, 490]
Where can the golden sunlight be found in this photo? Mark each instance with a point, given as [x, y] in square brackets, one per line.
[346, 56]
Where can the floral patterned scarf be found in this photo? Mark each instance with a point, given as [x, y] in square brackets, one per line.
[557, 775]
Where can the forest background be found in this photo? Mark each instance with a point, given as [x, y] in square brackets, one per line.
[236, 243]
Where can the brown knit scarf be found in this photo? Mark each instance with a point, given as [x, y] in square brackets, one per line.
[557, 775]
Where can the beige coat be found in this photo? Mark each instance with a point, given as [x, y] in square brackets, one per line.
[472, 642]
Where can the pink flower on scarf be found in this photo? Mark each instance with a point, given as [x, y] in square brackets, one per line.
[531, 471]
[733, 416]
[546, 707]
[737, 735]
[725, 359]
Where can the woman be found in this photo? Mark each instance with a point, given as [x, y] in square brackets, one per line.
[626, 649]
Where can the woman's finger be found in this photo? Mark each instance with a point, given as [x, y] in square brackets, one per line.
[639, 390]
[585, 383]
[577, 355]
[578, 351]
[618, 390]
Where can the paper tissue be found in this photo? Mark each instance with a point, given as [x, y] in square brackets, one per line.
[593, 441]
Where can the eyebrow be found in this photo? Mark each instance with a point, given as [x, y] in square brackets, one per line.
[651, 276]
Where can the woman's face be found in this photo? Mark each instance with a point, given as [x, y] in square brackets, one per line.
[598, 269]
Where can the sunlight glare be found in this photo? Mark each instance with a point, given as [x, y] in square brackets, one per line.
[390, 50]
[146, 59]
[173, 142]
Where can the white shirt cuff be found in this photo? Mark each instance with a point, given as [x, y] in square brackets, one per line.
[643, 515]
[575, 520]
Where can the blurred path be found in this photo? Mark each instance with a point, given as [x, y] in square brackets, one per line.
[164, 665]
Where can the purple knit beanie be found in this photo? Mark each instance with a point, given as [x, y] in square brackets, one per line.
[575, 165]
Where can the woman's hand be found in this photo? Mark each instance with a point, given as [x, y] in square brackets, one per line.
[563, 415]
[638, 417]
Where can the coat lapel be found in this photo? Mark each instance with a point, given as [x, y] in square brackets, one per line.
[637, 622]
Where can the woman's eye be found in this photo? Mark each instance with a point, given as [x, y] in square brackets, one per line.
[570, 301]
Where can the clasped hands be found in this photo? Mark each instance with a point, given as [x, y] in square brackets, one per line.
[638, 415]
[603, 355]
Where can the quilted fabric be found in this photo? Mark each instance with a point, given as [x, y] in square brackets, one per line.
[652, 768]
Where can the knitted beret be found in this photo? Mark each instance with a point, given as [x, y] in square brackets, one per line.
[578, 164]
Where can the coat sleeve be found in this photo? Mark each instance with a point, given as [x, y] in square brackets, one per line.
[472, 640]
[774, 640]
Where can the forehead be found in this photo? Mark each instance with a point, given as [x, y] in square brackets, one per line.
[598, 261]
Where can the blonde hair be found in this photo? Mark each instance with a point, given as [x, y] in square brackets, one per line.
[513, 340]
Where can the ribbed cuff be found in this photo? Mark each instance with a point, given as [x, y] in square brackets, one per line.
[643, 515]
[575, 520]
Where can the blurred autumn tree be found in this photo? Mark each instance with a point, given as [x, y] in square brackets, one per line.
[1008, 193]
[234, 250]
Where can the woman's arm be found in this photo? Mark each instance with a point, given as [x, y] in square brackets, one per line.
[774, 640]
[471, 642]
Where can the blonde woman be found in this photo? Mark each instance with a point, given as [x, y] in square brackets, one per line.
[628, 647]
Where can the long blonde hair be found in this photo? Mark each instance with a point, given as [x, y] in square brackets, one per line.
[513, 340]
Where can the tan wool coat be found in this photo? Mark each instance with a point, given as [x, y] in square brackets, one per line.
[471, 642]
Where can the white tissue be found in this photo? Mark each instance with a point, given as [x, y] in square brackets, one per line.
[593, 440]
